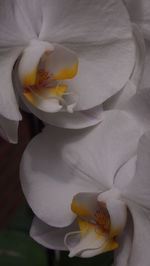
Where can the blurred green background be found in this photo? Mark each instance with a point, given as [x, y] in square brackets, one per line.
[18, 249]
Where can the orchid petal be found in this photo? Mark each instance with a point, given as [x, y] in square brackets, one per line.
[140, 254]
[116, 208]
[20, 21]
[138, 189]
[74, 161]
[30, 59]
[122, 253]
[10, 33]
[85, 204]
[125, 174]
[122, 98]
[140, 12]
[63, 63]
[28, 15]
[43, 180]
[43, 104]
[90, 244]
[98, 148]
[8, 103]
[84, 22]
[9, 112]
[48, 236]
[104, 47]
[96, 64]
[138, 107]
[145, 83]
[133, 84]
[140, 56]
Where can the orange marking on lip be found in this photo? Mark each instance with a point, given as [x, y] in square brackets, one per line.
[103, 219]
[47, 52]
[42, 76]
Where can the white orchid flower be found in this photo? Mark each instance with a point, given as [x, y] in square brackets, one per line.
[63, 56]
[82, 188]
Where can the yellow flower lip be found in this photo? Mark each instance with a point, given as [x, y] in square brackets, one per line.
[100, 217]
[97, 224]
[35, 77]
[45, 79]
[68, 72]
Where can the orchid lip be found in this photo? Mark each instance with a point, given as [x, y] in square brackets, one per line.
[42, 71]
[97, 223]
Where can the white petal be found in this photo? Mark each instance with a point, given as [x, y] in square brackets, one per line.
[125, 174]
[118, 215]
[88, 246]
[138, 189]
[134, 83]
[48, 236]
[140, 56]
[74, 161]
[60, 61]
[85, 204]
[122, 98]
[105, 46]
[97, 64]
[29, 61]
[140, 254]
[8, 103]
[138, 107]
[50, 183]
[46, 105]
[116, 209]
[140, 12]
[9, 112]
[145, 83]
[28, 15]
[75, 120]
[20, 21]
[100, 149]
[122, 253]
[84, 22]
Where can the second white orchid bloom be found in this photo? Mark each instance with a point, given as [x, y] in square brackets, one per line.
[86, 184]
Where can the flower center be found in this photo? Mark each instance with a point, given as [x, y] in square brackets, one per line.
[42, 70]
[99, 222]
[45, 87]
[102, 218]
